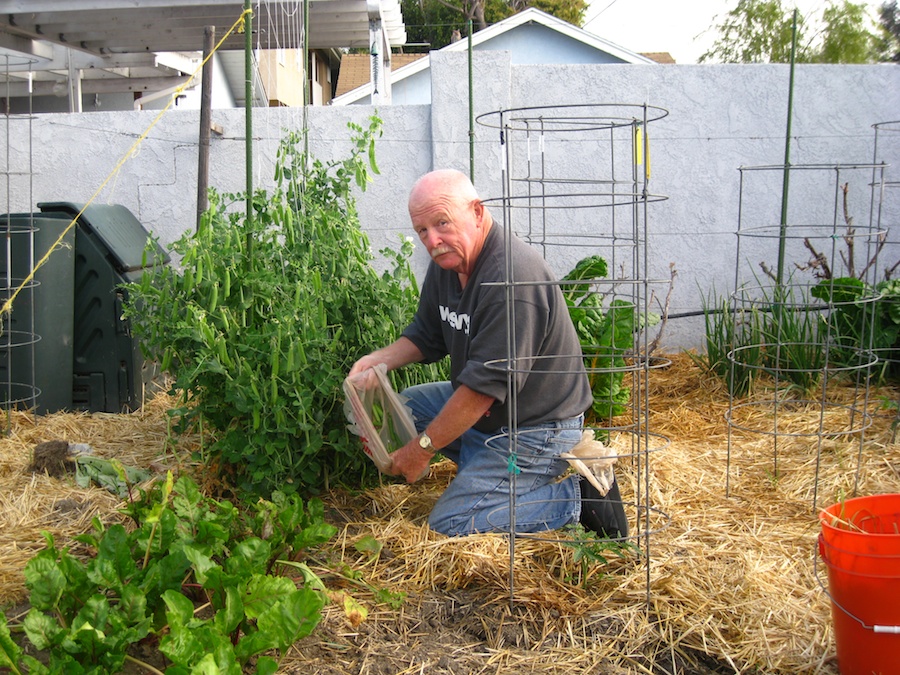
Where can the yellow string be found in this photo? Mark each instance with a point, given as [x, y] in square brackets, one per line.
[7, 306]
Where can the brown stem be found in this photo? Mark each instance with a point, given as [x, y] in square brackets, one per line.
[144, 665]
[665, 311]
[851, 232]
[819, 260]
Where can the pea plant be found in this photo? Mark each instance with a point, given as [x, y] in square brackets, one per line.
[263, 320]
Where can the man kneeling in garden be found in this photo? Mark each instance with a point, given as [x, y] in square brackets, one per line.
[462, 312]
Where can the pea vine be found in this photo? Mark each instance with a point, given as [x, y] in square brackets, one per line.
[262, 321]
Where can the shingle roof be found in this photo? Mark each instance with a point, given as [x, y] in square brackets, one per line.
[659, 57]
[356, 69]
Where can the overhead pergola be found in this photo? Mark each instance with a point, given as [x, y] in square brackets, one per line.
[106, 27]
[108, 40]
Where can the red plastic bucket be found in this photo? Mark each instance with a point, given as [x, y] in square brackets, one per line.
[860, 544]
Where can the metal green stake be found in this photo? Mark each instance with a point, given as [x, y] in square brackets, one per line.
[787, 160]
[248, 107]
[471, 113]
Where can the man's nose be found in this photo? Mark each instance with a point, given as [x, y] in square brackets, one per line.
[432, 239]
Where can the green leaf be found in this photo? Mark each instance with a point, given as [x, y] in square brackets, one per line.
[114, 565]
[228, 618]
[202, 564]
[369, 545]
[133, 605]
[282, 623]
[45, 580]
[179, 610]
[266, 665]
[42, 630]
[250, 556]
[264, 591]
[591, 267]
[10, 652]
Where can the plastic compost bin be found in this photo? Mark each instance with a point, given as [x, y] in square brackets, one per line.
[108, 369]
[41, 365]
[86, 357]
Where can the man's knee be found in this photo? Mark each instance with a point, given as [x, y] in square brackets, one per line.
[450, 525]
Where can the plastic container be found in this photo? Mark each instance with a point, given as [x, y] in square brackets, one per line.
[860, 544]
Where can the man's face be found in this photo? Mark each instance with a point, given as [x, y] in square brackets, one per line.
[451, 229]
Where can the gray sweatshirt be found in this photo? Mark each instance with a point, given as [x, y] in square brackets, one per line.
[470, 324]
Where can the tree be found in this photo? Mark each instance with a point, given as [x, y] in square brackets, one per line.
[431, 24]
[761, 31]
[888, 43]
[845, 38]
[756, 31]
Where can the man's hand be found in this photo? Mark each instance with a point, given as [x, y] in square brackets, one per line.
[411, 461]
[399, 353]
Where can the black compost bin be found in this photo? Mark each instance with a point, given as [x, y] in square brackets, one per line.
[108, 369]
[36, 348]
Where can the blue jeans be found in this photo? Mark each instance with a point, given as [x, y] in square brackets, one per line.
[477, 499]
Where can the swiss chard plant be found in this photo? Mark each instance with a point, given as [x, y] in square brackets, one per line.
[607, 335]
[862, 318]
[266, 314]
[194, 577]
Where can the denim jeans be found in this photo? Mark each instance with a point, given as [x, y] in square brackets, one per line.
[477, 499]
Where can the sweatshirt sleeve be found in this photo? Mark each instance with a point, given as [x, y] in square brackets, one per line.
[425, 329]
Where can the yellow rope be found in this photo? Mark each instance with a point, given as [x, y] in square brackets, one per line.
[238, 26]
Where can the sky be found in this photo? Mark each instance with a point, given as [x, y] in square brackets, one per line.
[684, 28]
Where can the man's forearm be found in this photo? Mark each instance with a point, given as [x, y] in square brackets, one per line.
[401, 352]
[459, 414]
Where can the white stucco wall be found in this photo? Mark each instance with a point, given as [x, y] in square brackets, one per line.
[720, 118]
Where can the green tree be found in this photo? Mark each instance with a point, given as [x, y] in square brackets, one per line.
[431, 24]
[761, 31]
[888, 43]
[846, 38]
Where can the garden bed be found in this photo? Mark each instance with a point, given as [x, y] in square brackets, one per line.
[729, 584]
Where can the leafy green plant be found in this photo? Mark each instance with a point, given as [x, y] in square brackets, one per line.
[607, 335]
[862, 317]
[262, 322]
[732, 344]
[590, 551]
[776, 336]
[792, 349]
[186, 550]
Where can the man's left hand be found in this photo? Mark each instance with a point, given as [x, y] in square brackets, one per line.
[411, 462]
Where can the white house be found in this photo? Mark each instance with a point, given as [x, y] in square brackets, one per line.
[531, 37]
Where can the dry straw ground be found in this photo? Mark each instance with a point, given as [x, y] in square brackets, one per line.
[729, 585]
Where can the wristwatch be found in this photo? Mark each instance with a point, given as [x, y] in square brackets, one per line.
[426, 444]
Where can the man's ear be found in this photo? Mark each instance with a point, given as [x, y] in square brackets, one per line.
[479, 211]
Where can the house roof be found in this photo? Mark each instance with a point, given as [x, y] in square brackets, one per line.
[660, 57]
[484, 36]
[356, 69]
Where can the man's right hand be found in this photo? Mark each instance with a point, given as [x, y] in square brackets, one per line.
[411, 461]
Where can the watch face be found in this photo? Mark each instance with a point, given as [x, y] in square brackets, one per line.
[424, 441]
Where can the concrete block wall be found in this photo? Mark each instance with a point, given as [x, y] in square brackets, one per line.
[720, 118]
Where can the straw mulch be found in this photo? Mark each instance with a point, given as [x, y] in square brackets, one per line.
[728, 583]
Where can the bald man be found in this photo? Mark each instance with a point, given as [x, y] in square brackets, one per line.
[463, 313]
